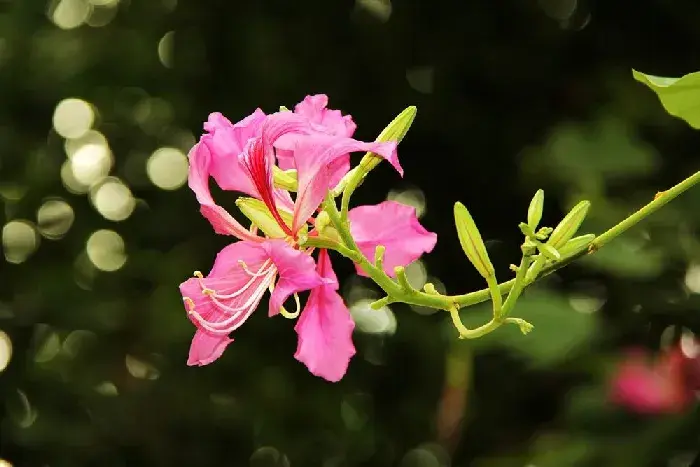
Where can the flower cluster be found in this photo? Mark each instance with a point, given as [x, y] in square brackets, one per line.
[665, 384]
[314, 143]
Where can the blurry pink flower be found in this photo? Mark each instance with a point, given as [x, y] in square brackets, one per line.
[221, 302]
[325, 328]
[650, 387]
[393, 225]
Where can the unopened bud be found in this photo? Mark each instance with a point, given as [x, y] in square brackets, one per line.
[256, 211]
[569, 225]
[534, 211]
[576, 245]
[285, 179]
[470, 239]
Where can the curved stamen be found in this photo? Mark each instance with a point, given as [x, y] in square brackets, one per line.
[289, 315]
[238, 317]
[238, 314]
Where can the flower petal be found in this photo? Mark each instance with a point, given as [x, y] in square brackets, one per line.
[198, 180]
[326, 120]
[393, 225]
[221, 302]
[226, 142]
[313, 155]
[325, 328]
[649, 387]
[206, 348]
[296, 269]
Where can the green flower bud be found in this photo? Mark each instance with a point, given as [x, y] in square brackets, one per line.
[569, 225]
[470, 239]
[285, 179]
[256, 211]
[534, 211]
[394, 131]
[549, 252]
[576, 245]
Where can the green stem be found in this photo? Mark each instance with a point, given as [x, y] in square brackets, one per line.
[520, 284]
[660, 200]
[401, 292]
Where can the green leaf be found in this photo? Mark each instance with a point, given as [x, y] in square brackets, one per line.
[679, 96]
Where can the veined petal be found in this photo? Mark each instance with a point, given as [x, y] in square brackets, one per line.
[226, 142]
[313, 156]
[296, 269]
[198, 180]
[329, 121]
[321, 121]
[396, 227]
[325, 328]
[223, 300]
[258, 159]
[206, 348]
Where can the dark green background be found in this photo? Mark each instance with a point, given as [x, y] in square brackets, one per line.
[512, 96]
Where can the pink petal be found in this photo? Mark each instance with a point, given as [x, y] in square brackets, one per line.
[221, 302]
[321, 121]
[393, 225]
[327, 120]
[226, 142]
[198, 180]
[206, 348]
[313, 156]
[296, 269]
[648, 387]
[325, 329]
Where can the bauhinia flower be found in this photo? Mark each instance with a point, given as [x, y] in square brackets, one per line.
[652, 386]
[240, 157]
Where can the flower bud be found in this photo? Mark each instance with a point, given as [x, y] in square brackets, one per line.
[256, 211]
[394, 131]
[534, 211]
[576, 244]
[470, 239]
[285, 179]
[569, 225]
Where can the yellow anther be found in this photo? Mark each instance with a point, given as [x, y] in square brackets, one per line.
[199, 275]
[208, 291]
[189, 304]
[242, 264]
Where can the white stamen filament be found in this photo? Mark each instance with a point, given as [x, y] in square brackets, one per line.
[240, 313]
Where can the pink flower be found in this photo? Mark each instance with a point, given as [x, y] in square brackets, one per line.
[221, 302]
[314, 156]
[393, 225]
[240, 157]
[650, 387]
[325, 328]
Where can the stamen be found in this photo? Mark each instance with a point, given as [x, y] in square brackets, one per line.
[238, 314]
[242, 264]
[205, 289]
[289, 315]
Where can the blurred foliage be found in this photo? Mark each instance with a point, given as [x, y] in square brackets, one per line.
[101, 100]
